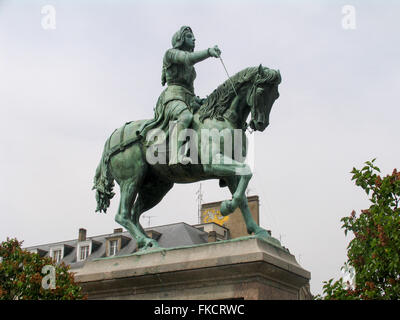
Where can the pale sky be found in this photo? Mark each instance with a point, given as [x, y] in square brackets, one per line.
[64, 90]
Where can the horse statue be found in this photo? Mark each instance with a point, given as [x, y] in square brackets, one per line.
[144, 183]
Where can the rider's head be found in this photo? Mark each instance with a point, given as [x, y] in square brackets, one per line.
[183, 39]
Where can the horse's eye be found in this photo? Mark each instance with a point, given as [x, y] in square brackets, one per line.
[259, 91]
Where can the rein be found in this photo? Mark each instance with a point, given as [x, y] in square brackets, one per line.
[230, 80]
[253, 89]
[233, 87]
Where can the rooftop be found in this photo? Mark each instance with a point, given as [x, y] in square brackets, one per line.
[77, 251]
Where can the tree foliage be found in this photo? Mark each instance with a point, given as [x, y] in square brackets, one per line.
[374, 251]
[21, 276]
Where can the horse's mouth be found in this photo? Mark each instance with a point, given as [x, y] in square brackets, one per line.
[258, 125]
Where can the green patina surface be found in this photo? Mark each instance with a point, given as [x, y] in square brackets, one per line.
[143, 184]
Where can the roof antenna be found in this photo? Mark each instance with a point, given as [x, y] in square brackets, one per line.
[199, 194]
[148, 219]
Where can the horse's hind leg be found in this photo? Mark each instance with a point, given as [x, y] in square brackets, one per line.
[150, 195]
[129, 190]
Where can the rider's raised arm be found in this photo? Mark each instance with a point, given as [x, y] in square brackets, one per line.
[184, 57]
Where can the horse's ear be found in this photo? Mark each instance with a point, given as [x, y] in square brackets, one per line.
[260, 69]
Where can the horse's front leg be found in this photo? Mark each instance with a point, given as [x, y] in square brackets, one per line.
[224, 166]
[251, 225]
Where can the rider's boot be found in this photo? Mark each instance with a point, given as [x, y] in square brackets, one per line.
[179, 154]
[184, 158]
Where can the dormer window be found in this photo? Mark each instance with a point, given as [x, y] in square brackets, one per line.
[83, 252]
[57, 254]
[85, 248]
[113, 247]
[116, 242]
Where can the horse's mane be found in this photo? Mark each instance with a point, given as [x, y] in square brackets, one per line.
[218, 101]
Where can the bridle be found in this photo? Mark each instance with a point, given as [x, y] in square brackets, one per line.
[253, 103]
[253, 93]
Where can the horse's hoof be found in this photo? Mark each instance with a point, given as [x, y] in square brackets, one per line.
[146, 243]
[226, 207]
[262, 233]
[150, 244]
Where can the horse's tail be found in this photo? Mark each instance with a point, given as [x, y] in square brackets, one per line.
[103, 182]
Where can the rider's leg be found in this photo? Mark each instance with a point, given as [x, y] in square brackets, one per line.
[183, 118]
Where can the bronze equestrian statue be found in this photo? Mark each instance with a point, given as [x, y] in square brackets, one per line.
[139, 156]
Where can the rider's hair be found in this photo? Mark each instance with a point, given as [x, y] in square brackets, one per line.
[178, 38]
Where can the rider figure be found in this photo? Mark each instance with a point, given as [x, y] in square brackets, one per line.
[178, 101]
[179, 74]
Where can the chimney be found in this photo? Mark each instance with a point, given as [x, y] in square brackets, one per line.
[82, 234]
[212, 236]
[118, 230]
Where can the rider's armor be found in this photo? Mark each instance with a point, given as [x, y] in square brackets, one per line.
[179, 74]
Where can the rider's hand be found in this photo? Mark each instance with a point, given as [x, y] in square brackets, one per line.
[199, 100]
[214, 52]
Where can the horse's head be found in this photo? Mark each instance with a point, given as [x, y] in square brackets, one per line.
[256, 87]
[261, 96]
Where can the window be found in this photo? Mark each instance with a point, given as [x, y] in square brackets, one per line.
[113, 248]
[85, 248]
[115, 243]
[57, 255]
[84, 252]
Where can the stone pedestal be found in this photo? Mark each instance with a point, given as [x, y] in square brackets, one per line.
[243, 268]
